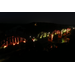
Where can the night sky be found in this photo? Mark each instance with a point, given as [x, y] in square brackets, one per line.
[27, 17]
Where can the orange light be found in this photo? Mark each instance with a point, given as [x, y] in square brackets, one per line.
[56, 47]
[32, 39]
[24, 41]
[17, 42]
[51, 36]
[13, 43]
[51, 46]
[35, 24]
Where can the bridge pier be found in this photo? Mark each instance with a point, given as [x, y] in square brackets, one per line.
[17, 40]
[7, 43]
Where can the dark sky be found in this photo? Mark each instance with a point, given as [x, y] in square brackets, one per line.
[27, 17]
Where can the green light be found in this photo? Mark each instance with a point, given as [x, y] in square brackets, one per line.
[63, 41]
[47, 35]
[35, 39]
[64, 30]
[55, 33]
[40, 37]
[44, 35]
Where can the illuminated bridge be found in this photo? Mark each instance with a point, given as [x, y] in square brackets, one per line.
[12, 41]
[61, 35]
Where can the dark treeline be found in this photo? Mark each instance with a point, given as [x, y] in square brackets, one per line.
[43, 25]
[29, 29]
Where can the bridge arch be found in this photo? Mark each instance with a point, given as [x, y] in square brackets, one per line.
[12, 40]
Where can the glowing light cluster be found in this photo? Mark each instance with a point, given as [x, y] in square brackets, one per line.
[64, 30]
[58, 32]
[47, 35]
[41, 35]
[35, 24]
[48, 32]
[17, 42]
[30, 36]
[52, 36]
[5, 46]
[44, 35]
[13, 43]
[33, 40]
[24, 41]
[55, 33]
[73, 27]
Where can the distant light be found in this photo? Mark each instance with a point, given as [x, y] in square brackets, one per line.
[5, 46]
[48, 32]
[40, 37]
[65, 30]
[55, 33]
[17, 42]
[30, 36]
[58, 32]
[24, 41]
[69, 29]
[47, 35]
[73, 28]
[13, 43]
[34, 40]
[35, 24]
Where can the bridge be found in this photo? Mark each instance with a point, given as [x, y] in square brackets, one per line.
[13, 40]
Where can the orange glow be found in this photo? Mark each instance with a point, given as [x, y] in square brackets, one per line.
[35, 24]
[24, 41]
[56, 46]
[32, 39]
[13, 43]
[17, 42]
[68, 29]
[51, 36]
[59, 36]
[51, 46]
[58, 32]
[49, 40]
